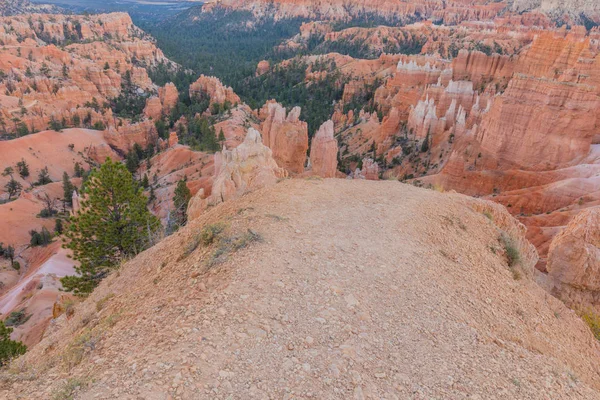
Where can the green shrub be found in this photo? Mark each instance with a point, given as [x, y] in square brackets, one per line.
[17, 318]
[512, 253]
[593, 321]
[210, 233]
[9, 348]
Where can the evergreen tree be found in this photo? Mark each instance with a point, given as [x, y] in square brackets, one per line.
[221, 137]
[13, 187]
[425, 145]
[113, 224]
[181, 200]
[58, 226]
[42, 238]
[8, 171]
[145, 182]
[23, 168]
[43, 177]
[67, 189]
[152, 196]
[9, 253]
[132, 162]
[78, 170]
[9, 348]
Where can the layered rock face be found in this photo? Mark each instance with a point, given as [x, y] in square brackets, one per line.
[324, 152]
[450, 12]
[286, 136]
[574, 261]
[214, 89]
[70, 85]
[160, 105]
[559, 8]
[248, 167]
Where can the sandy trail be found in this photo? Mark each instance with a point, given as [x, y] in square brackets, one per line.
[358, 290]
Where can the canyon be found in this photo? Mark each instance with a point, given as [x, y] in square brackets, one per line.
[457, 171]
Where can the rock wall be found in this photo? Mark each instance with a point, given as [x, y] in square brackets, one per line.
[451, 12]
[286, 136]
[214, 89]
[574, 261]
[248, 167]
[65, 68]
[324, 152]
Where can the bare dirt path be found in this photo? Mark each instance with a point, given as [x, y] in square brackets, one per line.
[359, 290]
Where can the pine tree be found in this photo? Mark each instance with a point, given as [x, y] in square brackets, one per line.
[8, 171]
[67, 189]
[9, 253]
[23, 168]
[425, 145]
[78, 170]
[152, 196]
[9, 348]
[43, 177]
[113, 224]
[145, 182]
[13, 187]
[58, 226]
[181, 200]
[132, 162]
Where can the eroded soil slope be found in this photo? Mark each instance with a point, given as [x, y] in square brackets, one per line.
[358, 289]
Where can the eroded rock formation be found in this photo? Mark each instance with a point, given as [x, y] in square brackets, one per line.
[247, 167]
[324, 152]
[214, 89]
[574, 261]
[43, 83]
[286, 136]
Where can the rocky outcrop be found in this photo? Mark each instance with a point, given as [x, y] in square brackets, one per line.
[561, 8]
[214, 89]
[574, 261]
[76, 201]
[162, 104]
[451, 11]
[173, 139]
[286, 136]
[324, 152]
[248, 167]
[46, 82]
[263, 67]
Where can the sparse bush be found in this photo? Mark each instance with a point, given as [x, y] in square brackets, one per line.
[68, 390]
[42, 238]
[228, 245]
[102, 302]
[512, 253]
[16, 318]
[210, 233]
[593, 321]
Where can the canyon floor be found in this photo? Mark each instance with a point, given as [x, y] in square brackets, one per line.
[338, 289]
